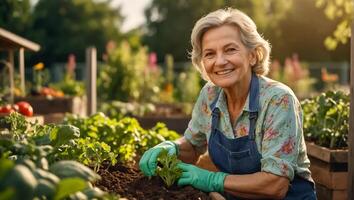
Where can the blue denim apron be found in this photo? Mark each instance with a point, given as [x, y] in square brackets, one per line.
[240, 155]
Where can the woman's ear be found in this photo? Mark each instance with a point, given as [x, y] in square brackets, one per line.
[252, 57]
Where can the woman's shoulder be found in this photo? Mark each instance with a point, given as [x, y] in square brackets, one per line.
[270, 88]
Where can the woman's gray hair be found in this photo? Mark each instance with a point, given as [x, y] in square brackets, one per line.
[248, 32]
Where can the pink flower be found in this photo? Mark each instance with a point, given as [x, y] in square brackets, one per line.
[288, 146]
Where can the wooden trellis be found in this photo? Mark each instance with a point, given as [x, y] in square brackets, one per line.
[11, 43]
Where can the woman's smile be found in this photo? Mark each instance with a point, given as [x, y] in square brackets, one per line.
[224, 72]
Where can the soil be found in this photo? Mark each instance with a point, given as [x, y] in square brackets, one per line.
[131, 184]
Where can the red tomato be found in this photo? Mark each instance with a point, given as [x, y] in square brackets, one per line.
[6, 109]
[25, 108]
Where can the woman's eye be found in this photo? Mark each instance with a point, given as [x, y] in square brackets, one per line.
[229, 50]
[208, 55]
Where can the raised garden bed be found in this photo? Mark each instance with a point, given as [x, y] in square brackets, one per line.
[130, 183]
[329, 170]
[170, 114]
[44, 105]
[176, 123]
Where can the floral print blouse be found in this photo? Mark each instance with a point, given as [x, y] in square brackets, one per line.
[279, 133]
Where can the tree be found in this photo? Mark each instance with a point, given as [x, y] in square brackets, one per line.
[303, 30]
[342, 12]
[169, 23]
[69, 26]
[15, 16]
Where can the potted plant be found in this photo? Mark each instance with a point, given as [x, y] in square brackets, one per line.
[326, 130]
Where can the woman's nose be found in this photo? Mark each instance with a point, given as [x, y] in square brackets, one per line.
[220, 59]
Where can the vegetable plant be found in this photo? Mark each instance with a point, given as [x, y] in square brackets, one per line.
[326, 119]
[167, 168]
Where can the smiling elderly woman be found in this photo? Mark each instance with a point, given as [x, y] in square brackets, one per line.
[250, 125]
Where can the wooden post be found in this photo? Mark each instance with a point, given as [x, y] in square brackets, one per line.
[351, 122]
[21, 62]
[91, 73]
[11, 75]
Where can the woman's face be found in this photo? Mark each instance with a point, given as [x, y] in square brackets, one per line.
[226, 60]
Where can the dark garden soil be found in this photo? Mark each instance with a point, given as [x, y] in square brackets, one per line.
[131, 184]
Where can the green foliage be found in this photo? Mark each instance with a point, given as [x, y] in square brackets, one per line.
[326, 119]
[342, 12]
[126, 77]
[70, 87]
[188, 86]
[183, 15]
[93, 153]
[70, 26]
[125, 137]
[30, 177]
[97, 139]
[15, 15]
[17, 123]
[23, 180]
[118, 109]
[167, 167]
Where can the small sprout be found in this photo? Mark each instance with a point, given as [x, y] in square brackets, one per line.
[167, 168]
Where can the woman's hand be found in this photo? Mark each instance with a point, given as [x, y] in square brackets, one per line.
[201, 179]
[148, 163]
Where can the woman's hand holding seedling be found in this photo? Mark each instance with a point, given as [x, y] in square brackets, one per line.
[148, 163]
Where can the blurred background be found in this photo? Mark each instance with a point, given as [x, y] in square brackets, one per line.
[142, 45]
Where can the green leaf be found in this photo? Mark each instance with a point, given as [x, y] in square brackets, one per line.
[69, 186]
[63, 133]
[5, 166]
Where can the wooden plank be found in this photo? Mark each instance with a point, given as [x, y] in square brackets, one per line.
[91, 86]
[327, 155]
[339, 194]
[331, 180]
[16, 41]
[21, 60]
[11, 75]
[351, 121]
[324, 193]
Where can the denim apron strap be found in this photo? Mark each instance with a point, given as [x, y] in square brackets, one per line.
[253, 106]
[215, 113]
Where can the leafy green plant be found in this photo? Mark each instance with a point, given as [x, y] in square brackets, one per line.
[326, 119]
[125, 76]
[187, 85]
[119, 109]
[63, 180]
[167, 168]
[70, 87]
[125, 137]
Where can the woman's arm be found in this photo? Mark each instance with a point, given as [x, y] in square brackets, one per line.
[187, 152]
[256, 186]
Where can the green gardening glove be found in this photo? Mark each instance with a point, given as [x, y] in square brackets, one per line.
[201, 179]
[148, 163]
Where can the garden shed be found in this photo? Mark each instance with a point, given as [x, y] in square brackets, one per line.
[11, 43]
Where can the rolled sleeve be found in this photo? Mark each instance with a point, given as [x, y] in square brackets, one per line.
[281, 136]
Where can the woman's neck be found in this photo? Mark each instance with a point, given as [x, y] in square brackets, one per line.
[236, 97]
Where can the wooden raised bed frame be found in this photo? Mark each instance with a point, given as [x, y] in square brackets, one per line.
[329, 170]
